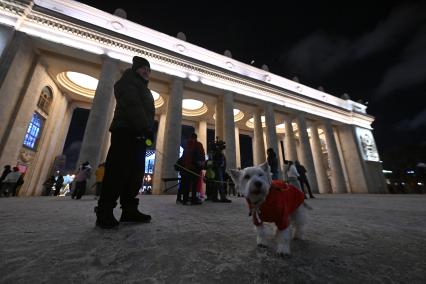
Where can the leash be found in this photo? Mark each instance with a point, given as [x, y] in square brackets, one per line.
[188, 170]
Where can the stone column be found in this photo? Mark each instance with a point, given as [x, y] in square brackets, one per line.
[98, 122]
[289, 141]
[306, 153]
[173, 130]
[17, 65]
[237, 147]
[271, 134]
[280, 154]
[107, 137]
[202, 134]
[323, 184]
[219, 119]
[159, 156]
[258, 144]
[337, 179]
[229, 130]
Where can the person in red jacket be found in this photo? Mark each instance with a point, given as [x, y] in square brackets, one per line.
[193, 162]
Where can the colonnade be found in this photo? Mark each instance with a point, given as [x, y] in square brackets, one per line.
[325, 172]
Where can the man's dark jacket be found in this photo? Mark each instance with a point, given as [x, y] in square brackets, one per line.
[135, 108]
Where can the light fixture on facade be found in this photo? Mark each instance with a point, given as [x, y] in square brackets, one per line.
[280, 128]
[83, 80]
[78, 83]
[191, 107]
[158, 99]
[238, 115]
[250, 122]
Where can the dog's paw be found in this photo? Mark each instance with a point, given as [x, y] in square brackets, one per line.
[283, 250]
[262, 246]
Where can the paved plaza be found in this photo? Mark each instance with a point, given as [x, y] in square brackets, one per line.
[350, 239]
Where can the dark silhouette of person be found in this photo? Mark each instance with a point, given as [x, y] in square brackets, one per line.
[12, 181]
[193, 162]
[303, 179]
[219, 166]
[48, 184]
[59, 182]
[7, 169]
[83, 174]
[132, 130]
[272, 162]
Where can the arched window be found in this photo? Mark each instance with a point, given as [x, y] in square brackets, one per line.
[45, 100]
[34, 131]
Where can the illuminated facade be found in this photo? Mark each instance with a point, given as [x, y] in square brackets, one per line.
[59, 55]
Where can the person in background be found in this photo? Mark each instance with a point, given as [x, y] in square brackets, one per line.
[293, 175]
[6, 171]
[132, 130]
[12, 181]
[59, 182]
[303, 179]
[273, 163]
[99, 173]
[219, 166]
[48, 184]
[285, 171]
[193, 162]
[83, 174]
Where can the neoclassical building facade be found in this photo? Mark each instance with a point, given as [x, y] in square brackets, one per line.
[61, 55]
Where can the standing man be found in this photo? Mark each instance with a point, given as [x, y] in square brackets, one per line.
[272, 162]
[131, 129]
[303, 179]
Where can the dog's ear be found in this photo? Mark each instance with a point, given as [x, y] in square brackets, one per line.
[235, 175]
[265, 167]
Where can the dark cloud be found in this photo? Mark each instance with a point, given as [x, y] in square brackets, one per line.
[321, 54]
[408, 71]
[414, 123]
[402, 21]
[318, 55]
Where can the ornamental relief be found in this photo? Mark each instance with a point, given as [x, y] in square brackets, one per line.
[367, 145]
[26, 156]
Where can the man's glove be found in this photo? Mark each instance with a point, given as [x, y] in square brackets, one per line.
[149, 138]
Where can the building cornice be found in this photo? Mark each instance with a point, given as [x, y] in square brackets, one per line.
[173, 57]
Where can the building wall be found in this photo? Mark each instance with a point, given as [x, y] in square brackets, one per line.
[39, 161]
[51, 142]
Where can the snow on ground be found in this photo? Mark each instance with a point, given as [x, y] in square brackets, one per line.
[350, 239]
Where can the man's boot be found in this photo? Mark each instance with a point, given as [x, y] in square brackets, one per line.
[105, 217]
[130, 213]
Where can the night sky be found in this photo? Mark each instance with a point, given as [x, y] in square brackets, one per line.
[375, 51]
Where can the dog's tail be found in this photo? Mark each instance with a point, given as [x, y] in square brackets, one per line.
[307, 206]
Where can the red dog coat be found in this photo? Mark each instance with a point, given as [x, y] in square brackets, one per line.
[282, 200]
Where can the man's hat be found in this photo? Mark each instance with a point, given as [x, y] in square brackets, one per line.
[139, 62]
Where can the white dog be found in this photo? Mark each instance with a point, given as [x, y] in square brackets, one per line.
[272, 201]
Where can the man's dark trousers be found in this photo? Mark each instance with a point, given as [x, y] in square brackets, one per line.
[124, 170]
